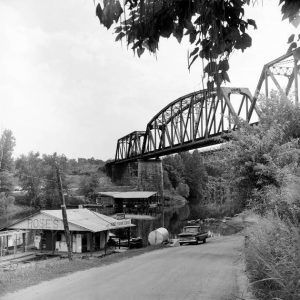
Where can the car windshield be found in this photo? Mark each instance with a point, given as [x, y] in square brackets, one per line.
[190, 229]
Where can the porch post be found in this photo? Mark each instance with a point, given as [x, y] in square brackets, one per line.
[91, 243]
[15, 244]
[105, 243]
[128, 233]
[41, 243]
[24, 241]
[71, 235]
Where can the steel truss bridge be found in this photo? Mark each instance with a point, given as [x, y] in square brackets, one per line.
[199, 119]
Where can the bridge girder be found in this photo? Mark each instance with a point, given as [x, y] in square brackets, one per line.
[130, 145]
[282, 75]
[200, 118]
[195, 120]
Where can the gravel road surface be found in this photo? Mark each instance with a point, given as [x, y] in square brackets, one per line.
[213, 271]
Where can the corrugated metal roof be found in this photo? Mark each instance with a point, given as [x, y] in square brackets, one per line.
[129, 195]
[88, 219]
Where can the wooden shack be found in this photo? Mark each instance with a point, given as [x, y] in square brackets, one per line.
[133, 202]
[89, 229]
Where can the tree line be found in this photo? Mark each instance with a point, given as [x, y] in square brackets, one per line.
[31, 179]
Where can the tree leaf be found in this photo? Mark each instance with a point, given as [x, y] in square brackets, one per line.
[243, 42]
[291, 38]
[194, 51]
[225, 76]
[137, 44]
[110, 13]
[118, 29]
[291, 47]
[252, 23]
[193, 36]
[178, 33]
[140, 51]
[189, 25]
[120, 36]
[297, 53]
[224, 65]
[194, 58]
[99, 12]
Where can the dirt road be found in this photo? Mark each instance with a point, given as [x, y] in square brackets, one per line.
[208, 271]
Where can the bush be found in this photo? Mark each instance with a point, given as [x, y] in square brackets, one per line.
[272, 252]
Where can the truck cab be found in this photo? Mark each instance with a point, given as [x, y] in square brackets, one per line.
[192, 235]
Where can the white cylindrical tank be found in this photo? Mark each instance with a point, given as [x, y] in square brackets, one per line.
[158, 236]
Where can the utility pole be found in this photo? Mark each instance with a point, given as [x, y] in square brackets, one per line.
[64, 213]
[163, 208]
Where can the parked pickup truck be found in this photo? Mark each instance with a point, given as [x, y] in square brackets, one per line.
[192, 235]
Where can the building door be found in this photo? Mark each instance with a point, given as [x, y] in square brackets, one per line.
[48, 240]
[84, 242]
[97, 241]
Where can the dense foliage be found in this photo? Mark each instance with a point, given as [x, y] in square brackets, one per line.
[187, 175]
[265, 159]
[37, 176]
[253, 170]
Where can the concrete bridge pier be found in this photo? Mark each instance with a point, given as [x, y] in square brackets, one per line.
[124, 174]
[150, 176]
[145, 175]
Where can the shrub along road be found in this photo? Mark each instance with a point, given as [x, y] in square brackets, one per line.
[214, 270]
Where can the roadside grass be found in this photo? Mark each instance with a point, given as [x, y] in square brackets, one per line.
[272, 252]
[31, 274]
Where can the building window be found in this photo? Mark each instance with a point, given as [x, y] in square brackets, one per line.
[58, 237]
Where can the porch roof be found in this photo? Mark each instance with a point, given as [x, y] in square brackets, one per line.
[129, 195]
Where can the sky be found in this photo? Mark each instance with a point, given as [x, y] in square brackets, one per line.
[66, 86]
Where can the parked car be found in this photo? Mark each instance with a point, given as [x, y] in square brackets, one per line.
[192, 235]
[134, 242]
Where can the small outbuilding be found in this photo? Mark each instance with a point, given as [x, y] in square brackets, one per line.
[133, 202]
[89, 229]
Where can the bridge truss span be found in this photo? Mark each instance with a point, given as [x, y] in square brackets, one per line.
[197, 120]
[130, 145]
[280, 75]
[200, 118]
[192, 121]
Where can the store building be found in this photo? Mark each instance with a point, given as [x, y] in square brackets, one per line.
[89, 230]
